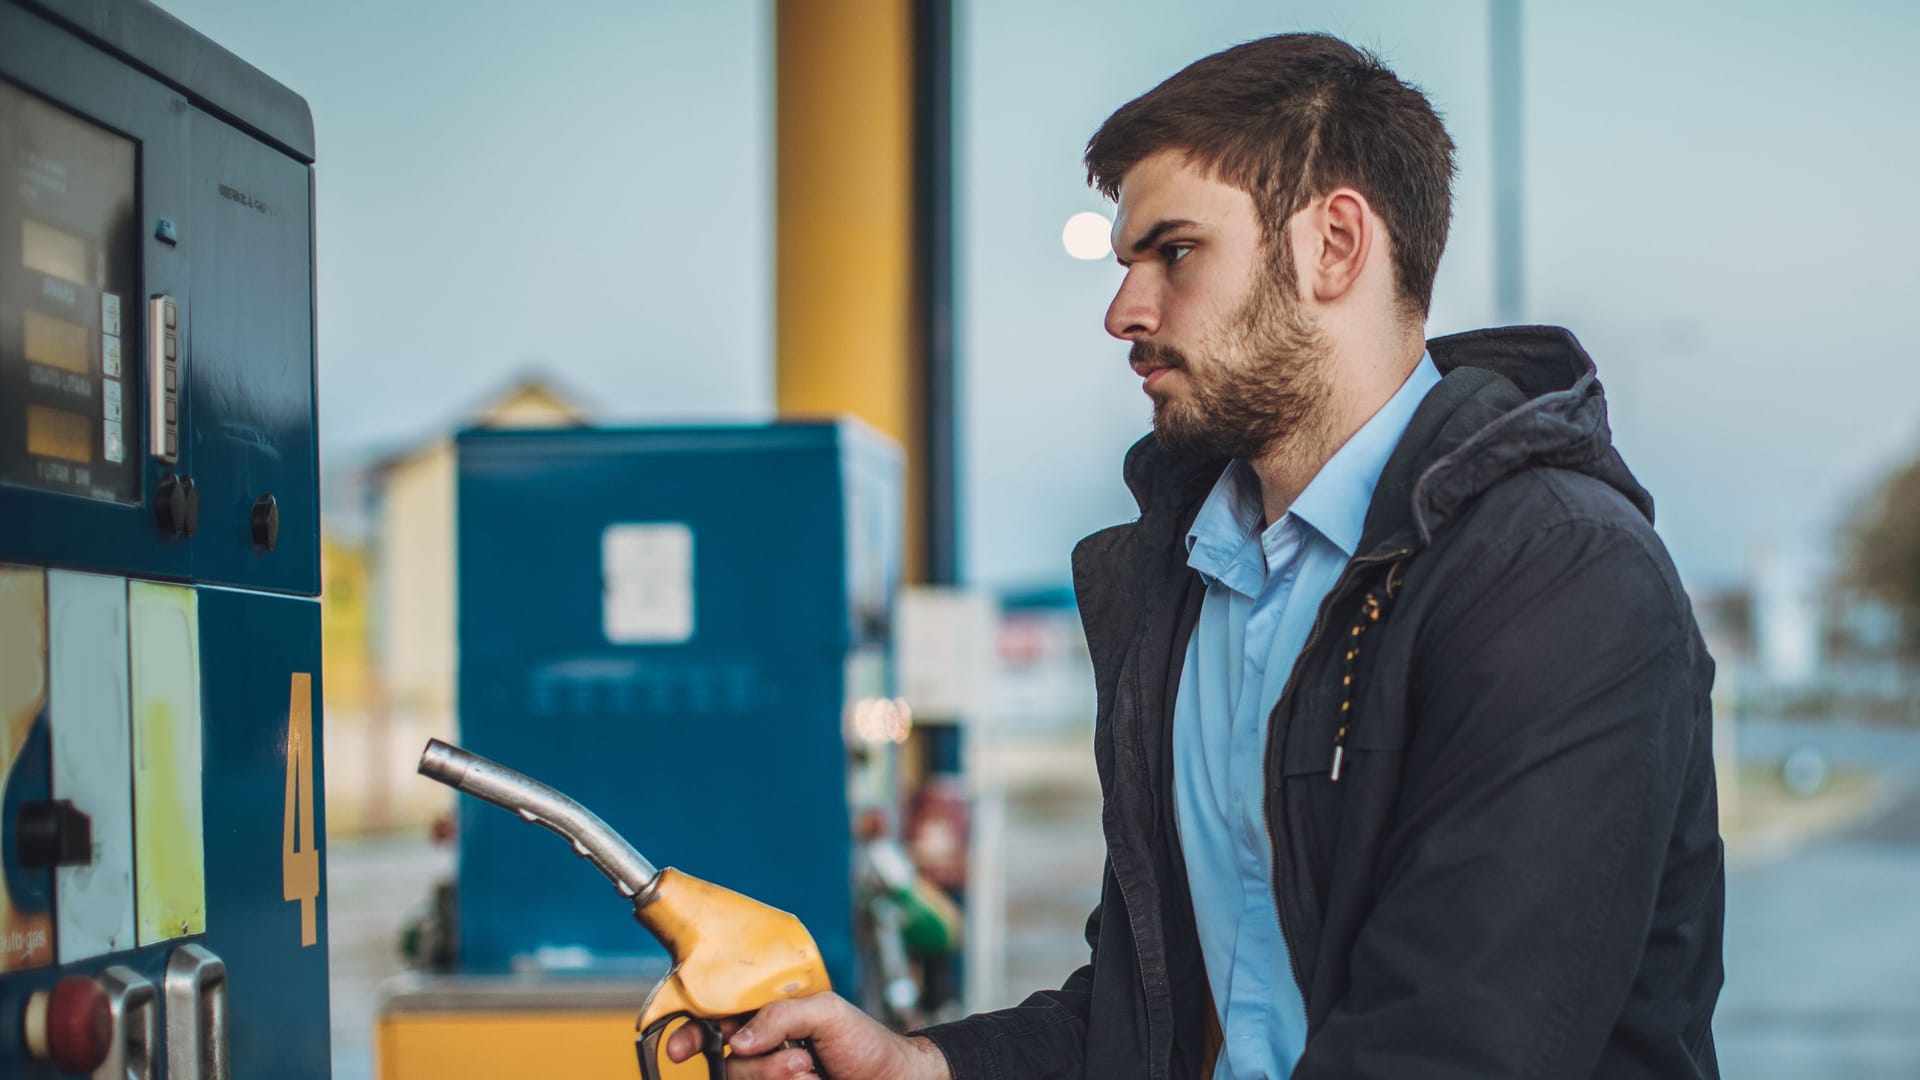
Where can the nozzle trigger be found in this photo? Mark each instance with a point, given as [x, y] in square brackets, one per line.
[713, 1044]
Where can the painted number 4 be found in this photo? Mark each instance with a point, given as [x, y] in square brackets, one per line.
[300, 867]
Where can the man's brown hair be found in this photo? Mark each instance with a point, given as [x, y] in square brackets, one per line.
[1289, 118]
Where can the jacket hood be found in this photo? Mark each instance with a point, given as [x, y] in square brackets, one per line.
[1509, 399]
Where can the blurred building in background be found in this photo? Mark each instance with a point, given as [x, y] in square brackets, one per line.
[1789, 616]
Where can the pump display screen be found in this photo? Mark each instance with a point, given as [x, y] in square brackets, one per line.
[70, 303]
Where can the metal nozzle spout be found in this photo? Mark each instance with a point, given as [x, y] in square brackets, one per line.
[444, 763]
[534, 801]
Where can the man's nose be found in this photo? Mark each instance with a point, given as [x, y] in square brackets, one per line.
[1135, 311]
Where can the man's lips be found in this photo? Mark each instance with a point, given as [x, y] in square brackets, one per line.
[1151, 375]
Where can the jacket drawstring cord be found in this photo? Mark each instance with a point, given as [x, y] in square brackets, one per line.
[1373, 606]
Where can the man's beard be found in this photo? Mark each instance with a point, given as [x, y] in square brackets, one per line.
[1265, 392]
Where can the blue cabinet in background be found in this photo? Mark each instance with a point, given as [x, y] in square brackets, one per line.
[671, 625]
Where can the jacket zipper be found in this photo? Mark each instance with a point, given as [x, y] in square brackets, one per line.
[1286, 691]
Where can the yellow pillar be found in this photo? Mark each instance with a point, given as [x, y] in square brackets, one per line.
[845, 276]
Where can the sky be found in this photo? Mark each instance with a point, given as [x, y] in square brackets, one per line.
[1718, 204]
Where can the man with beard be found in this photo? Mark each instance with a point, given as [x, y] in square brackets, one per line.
[1403, 726]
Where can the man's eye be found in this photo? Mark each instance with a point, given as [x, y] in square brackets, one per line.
[1173, 253]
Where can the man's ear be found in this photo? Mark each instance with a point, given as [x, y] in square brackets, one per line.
[1340, 240]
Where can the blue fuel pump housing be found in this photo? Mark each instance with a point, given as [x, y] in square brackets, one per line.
[161, 807]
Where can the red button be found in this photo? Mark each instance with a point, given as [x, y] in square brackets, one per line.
[79, 1025]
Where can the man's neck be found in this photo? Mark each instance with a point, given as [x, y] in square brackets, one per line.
[1356, 390]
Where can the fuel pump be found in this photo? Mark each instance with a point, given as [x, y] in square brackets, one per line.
[160, 797]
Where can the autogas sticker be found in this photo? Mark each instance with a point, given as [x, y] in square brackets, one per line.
[26, 917]
[647, 569]
[110, 355]
[170, 884]
[88, 708]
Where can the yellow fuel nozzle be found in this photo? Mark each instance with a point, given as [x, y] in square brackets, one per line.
[731, 954]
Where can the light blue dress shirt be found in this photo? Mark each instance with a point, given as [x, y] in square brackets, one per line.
[1264, 588]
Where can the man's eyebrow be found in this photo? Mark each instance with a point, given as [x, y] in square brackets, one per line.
[1160, 229]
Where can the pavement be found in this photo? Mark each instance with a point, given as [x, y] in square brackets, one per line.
[374, 885]
[1823, 957]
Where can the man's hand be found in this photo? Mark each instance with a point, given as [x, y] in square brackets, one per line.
[847, 1045]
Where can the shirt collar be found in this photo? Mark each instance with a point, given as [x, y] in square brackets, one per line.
[1224, 543]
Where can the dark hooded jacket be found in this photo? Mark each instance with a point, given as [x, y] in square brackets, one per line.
[1518, 871]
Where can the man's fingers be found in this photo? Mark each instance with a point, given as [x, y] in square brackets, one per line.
[758, 1043]
[792, 1019]
[686, 1041]
[779, 1065]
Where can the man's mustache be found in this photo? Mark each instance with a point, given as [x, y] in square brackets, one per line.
[1152, 354]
